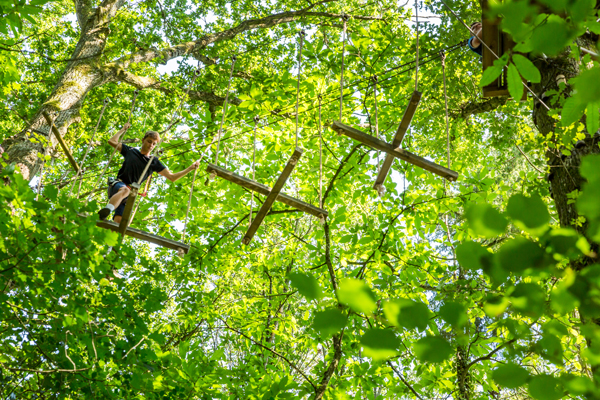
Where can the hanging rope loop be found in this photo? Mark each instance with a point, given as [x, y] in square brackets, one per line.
[197, 71]
[233, 59]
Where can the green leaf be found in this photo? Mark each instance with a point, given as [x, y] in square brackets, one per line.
[518, 254]
[490, 75]
[485, 220]
[515, 84]
[357, 295]
[454, 313]
[572, 111]
[510, 375]
[545, 387]
[526, 68]
[528, 213]
[329, 321]
[473, 256]
[587, 85]
[593, 117]
[529, 299]
[307, 285]
[380, 344]
[433, 349]
[407, 313]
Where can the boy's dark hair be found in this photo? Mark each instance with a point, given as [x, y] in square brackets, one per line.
[151, 134]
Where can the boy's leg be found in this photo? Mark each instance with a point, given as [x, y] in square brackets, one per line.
[119, 192]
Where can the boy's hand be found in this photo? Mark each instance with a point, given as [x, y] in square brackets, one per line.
[195, 165]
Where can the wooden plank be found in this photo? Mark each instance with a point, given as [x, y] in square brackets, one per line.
[272, 196]
[409, 113]
[489, 91]
[402, 128]
[407, 156]
[61, 142]
[265, 190]
[145, 236]
[126, 217]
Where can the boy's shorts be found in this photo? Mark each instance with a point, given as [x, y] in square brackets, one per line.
[112, 190]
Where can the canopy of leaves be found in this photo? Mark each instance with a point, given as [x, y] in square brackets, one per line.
[468, 290]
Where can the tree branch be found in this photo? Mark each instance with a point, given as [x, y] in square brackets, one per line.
[290, 363]
[468, 109]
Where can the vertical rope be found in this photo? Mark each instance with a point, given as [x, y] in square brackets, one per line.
[39, 188]
[253, 168]
[173, 121]
[344, 18]
[443, 57]
[224, 109]
[80, 172]
[187, 211]
[320, 158]
[417, 58]
[376, 115]
[135, 95]
[302, 33]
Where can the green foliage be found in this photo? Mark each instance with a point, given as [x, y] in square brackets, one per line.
[438, 284]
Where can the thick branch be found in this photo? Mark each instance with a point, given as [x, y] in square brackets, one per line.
[468, 109]
[196, 46]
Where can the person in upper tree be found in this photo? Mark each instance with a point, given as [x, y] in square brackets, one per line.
[474, 41]
[134, 164]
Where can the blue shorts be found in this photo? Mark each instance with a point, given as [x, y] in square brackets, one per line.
[112, 191]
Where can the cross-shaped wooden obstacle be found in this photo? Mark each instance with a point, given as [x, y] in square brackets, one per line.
[393, 150]
[273, 194]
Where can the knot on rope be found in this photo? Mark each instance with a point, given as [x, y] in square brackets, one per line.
[256, 118]
[302, 33]
[443, 57]
[374, 78]
[321, 219]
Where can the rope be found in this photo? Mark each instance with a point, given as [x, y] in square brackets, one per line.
[344, 18]
[253, 168]
[376, 115]
[224, 110]
[320, 158]
[187, 211]
[135, 95]
[417, 55]
[302, 34]
[494, 54]
[156, 150]
[443, 55]
[80, 172]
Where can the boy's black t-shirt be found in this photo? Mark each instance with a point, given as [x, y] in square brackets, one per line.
[134, 165]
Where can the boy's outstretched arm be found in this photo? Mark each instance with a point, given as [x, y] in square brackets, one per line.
[175, 176]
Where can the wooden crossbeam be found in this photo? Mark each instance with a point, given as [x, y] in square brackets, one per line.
[409, 113]
[407, 156]
[265, 190]
[145, 236]
[126, 217]
[272, 196]
[61, 141]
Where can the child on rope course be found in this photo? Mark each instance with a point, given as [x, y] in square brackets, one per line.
[475, 41]
[131, 170]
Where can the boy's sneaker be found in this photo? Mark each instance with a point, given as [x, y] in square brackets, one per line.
[104, 213]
